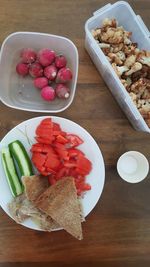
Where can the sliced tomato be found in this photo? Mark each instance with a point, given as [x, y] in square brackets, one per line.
[70, 164]
[43, 140]
[52, 162]
[84, 165]
[47, 121]
[62, 173]
[74, 152]
[56, 127]
[43, 148]
[61, 139]
[39, 159]
[74, 140]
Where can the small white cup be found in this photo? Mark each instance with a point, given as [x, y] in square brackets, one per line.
[133, 167]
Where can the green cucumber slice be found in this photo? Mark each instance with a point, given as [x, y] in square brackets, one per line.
[21, 157]
[11, 173]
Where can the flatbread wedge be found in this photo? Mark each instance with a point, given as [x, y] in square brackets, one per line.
[34, 186]
[61, 203]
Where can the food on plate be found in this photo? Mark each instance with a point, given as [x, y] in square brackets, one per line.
[51, 207]
[61, 203]
[21, 157]
[56, 154]
[11, 172]
[34, 185]
[131, 64]
[47, 68]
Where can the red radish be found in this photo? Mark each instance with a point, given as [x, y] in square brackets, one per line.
[64, 75]
[36, 70]
[46, 57]
[50, 72]
[22, 69]
[40, 82]
[48, 93]
[28, 55]
[60, 61]
[62, 91]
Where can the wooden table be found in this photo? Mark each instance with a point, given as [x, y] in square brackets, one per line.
[117, 232]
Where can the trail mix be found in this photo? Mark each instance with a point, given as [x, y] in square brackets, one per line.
[131, 64]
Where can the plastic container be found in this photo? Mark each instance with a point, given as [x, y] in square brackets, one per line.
[133, 167]
[18, 92]
[126, 17]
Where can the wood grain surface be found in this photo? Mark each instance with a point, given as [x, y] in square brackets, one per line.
[117, 232]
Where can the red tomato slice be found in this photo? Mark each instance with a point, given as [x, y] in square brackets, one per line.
[61, 139]
[47, 121]
[74, 140]
[62, 173]
[70, 164]
[84, 166]
[43, 140]
[52, 162]
[74, 152]
[56, 127]
[38, 159]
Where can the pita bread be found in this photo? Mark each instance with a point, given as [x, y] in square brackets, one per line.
[34, 185]
[61, 203]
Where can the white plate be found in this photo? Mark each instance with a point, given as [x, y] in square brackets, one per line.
[25, 132]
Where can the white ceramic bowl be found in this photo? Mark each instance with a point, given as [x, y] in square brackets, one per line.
[133, 167]
[18, 92]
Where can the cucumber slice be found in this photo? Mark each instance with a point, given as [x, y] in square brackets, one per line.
[21, 157]
[11, 173]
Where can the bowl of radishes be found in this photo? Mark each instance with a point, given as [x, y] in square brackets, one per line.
[38, 72]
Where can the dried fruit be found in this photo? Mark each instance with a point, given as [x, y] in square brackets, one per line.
[46, 57]
[40, 82]
[28, 55]
[22, 69]
[48, 93]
